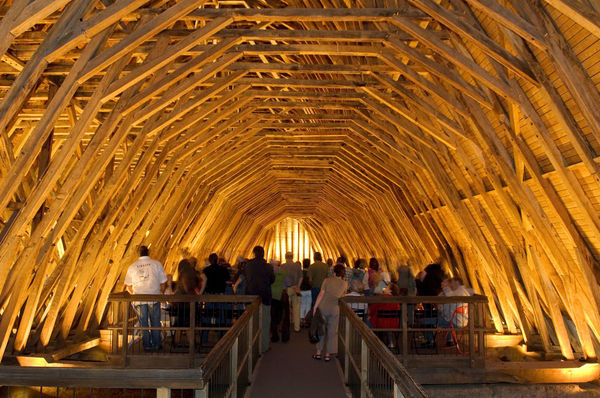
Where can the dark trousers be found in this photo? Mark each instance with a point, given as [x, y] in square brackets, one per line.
[314, 292]
[280, 317]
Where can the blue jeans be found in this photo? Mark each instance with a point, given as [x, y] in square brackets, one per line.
[152, 311]
[214, 315]
[432, 323]
[442, 323]
[314, 293]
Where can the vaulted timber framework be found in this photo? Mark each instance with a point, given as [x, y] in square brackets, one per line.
[412, 130]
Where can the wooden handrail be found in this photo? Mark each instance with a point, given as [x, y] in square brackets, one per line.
[186, 298]
[416, 299]
[392, 365]
[223, 346]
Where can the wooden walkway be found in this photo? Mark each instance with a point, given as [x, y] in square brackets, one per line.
[288, 370]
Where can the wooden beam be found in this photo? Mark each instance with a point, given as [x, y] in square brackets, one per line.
[579, 12]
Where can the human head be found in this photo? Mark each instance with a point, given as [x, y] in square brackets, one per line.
[213, 259]
[183, 266]
[342, 260]
[193, 261]
[305, 263]
[330, 262]
[339, 270]
[275, 263]
[144, 251]
[317, 256]
[455, 282]
[361, 263]
[374, 264]
[259, 252]
[289, 256]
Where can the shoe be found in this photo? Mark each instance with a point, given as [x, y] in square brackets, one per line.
[327, 358]
[317, 357]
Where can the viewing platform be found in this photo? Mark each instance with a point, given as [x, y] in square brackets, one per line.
[195, 360]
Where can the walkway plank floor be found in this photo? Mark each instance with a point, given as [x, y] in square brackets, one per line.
[289, 371]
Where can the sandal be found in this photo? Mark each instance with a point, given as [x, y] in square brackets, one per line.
[317, 357]
[327, 358]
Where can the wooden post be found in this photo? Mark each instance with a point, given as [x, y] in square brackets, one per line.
[404, 333]
[233, 368]
[192, 333]
[397, 392]
[471, 320]
[115, 332]
[348, 353]
[364, 368]
[163, 392]
[481, 333]
[250, 350]
[201, 393]
[125, 331]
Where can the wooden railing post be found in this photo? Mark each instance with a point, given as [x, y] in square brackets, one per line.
[250, 349]
[347, 348]
[163, 392]
[397, 392]
[471, 319]
[481, 333]
[202, 393]
[404, 333]
[192, 333]
[364, 368]
[116, 306]
[234, 368]
[125, 339]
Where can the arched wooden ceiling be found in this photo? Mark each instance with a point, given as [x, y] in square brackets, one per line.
[409, 129]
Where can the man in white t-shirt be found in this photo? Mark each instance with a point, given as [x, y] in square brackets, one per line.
[147, 276]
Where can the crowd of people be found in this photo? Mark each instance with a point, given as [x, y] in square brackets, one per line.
[294, 294]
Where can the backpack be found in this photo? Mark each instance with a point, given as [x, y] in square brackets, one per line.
[358, 275]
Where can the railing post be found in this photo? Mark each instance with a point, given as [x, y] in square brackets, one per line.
[481, 313]
[347, 348]
[260, 329]
[192, 332]
[404, 333]
[202, 393]
[234, 365]
[125, 339]
[250, 349]
[364, 368]
[116, 306]
[471, 320]
[163, 392]
[397, 392]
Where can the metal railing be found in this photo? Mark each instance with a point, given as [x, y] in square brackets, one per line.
[370, 369]
[445, 331]
[186, 321]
